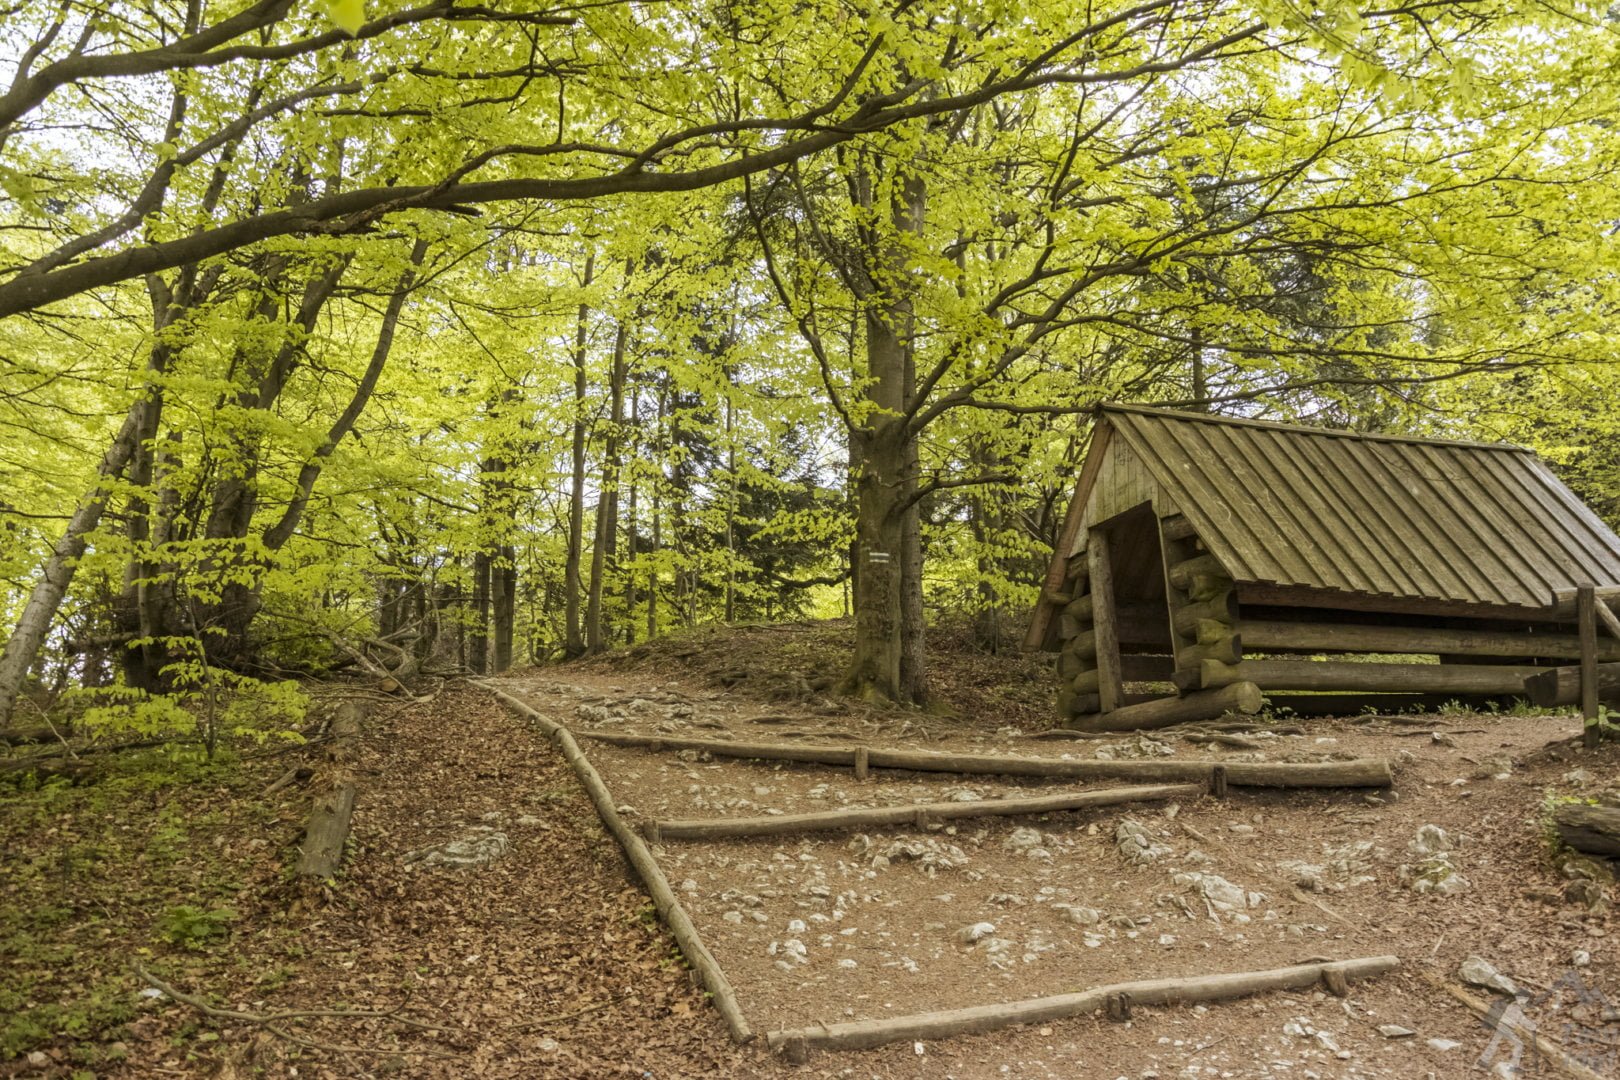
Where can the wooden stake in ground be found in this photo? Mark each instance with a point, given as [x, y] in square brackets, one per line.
[861, 1034]
[646, 866]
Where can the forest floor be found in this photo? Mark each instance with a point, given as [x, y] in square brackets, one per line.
[548, 961]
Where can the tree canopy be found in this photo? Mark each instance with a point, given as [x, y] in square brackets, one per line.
[504, 331]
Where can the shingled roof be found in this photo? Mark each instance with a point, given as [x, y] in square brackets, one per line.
[1384, 515]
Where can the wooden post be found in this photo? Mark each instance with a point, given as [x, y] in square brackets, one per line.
[1110, 686]
[1586, 622]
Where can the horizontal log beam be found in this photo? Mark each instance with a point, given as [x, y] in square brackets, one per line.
[1362, 772]
[1228, 650]
[863, 1034]
[1261, 634]
[1242, 697]
[1563, 601]
[1184, 573]
[1562, 685]
[1186, 617]
[1350, 675]
[916, 813]
[1177, 527]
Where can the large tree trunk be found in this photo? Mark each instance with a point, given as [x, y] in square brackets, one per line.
[887, 662]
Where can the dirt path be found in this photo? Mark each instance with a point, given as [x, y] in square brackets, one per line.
[546, 962]
[832, 927]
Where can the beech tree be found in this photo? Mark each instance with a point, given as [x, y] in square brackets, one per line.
[522, 330]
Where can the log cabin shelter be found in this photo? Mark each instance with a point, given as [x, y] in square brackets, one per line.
[1205, 562]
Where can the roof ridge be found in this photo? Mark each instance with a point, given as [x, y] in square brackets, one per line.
[1304, 429]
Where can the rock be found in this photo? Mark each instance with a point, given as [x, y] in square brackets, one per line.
[978, 931]
[1137, 845]
[1395, 1031]
[1497, 767]
[796, 926]
[480, 849]
[1022, 840]
[1580, 958]
[1444, 1045]
[1437, 876]
[1430, 840]
[1476, 971]
[1219, 895]
[1578, 776]
[929, 853]
[1083, 916]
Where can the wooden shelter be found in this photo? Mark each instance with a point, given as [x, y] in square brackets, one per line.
[1207, 561]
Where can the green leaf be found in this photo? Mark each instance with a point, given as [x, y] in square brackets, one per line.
[347, 15]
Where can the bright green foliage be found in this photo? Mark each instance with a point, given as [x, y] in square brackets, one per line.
[1317, 213]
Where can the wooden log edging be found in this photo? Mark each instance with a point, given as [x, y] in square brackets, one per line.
[871, 817]
[646, 866]
[1359, 772]
[862, 1034]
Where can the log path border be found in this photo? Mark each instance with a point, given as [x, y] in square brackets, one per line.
[861, 1034]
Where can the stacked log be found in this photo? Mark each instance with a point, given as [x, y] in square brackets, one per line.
[1203, 604]
[1077, 648]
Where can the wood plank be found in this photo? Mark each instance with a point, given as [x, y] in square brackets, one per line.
[1350, 675]
[913, 813]
[1110, 684]
[1262, 634]
[1057, 572]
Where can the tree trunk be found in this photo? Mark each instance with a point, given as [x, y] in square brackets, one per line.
[574, 644]
[607, 501]
[887, 663]
[478, 638]
[23, 646]
[503, 583]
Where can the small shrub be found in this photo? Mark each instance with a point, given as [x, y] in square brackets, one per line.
[193, 927]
